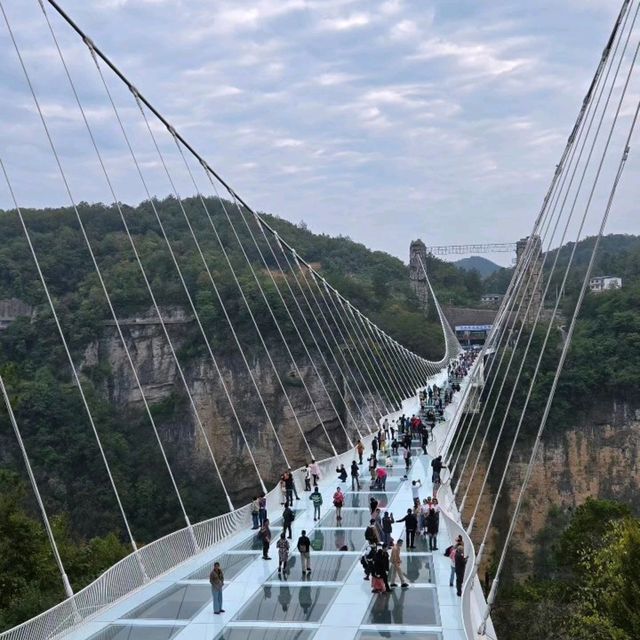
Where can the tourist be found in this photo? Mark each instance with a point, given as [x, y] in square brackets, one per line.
[355, 476]
[433, 523]
[307, 478]
[304, 547]
[316, 498]
[436, 465]
[315, 472]
[359, 450]
[342, 473]
[367, 561]
[371, 533]
[265, 536]
[262, 509]
[410, 524]
[373, 463]
[415, 491]
[387, 528]
[283, 554]
[338, 502]
[216, 579]
[406, 454]
[381, 570]
[460, 566]
[396, 566]
[451, 554]
[287, 518]
[381, 478]
[255, 512]
[283, 490]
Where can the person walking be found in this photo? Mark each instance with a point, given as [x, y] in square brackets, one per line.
[451, 554]
[338, 501]
[216, 580]
[433, 522]
[460, 566]
[374, 446]
[315, 472]
[436, 465]
[355, 476]
[265, 535]
[410, 525]
[373, 463]
[406, 454]
[304, 548]
[316, 498]
[359, 450]
[262, 509]
[396, 566]
[293, 486]
[387, 528]
[255, 513]
[283, 554]
[287, 518]
[415, 491]
[307, 478]
[371, 533]
[381, 568]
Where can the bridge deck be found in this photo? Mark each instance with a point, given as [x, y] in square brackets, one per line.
[334, 602]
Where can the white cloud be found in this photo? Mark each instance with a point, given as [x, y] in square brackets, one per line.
[347, 23]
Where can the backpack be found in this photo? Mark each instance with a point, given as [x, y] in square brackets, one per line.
[447, 551]
[368, 534]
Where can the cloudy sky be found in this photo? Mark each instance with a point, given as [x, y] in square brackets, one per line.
[383, 121]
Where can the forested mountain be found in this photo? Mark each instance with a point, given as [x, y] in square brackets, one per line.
[482, 265]
[48, 407]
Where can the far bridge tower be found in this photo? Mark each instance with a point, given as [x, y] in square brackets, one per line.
[417, 275]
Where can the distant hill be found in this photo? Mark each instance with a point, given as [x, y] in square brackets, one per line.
[483, 266]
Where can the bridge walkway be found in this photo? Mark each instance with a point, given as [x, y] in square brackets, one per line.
[333, 602]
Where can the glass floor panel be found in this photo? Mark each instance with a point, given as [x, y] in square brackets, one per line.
[283, 603]
[359, 518]
[179, 602]
[335, 539]
[130, 632]
[325, 567]
[404, 606]
[362, 499]
[418, 568]
[253, 543]
[230, 563]
[422, 544]
[248, 633]
[408, 635]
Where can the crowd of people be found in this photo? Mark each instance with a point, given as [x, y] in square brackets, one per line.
[382, 559]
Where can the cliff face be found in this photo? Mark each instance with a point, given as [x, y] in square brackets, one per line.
[178, 422]
[599, 457]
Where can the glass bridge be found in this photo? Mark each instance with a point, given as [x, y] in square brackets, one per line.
[333, 603]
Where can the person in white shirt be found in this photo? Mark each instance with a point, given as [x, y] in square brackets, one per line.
[415, 491]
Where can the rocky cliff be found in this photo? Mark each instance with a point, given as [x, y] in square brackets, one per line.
[598, 457]
[178, 425]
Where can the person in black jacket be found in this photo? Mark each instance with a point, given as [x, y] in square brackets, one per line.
[410, 525]
[436, 465]
[342, 473]
[433, 524]
[355, 476]
[287, 518]
[381, 567]
[387, 528]
[460, 564]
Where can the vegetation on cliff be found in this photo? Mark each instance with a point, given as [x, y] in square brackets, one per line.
[589, 586]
